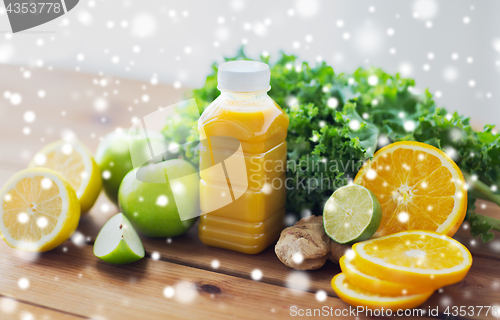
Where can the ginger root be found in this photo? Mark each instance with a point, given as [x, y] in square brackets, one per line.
[305, 245]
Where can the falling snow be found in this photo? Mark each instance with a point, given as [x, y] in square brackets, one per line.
[364, 38]
[144, 25]
[297, 258]
[23, 283]
[162, 200]
[215, 264]
[298, 280]
[185, 292]
[155, 255]
[169, 292]
[8, 305]
[321, 296]
[78, 239]
[256, 274]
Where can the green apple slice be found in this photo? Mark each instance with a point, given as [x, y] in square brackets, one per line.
[118, 242]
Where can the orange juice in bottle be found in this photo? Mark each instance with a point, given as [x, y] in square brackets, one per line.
[243, 161]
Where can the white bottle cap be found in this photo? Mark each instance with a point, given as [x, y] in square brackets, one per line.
[243, 76]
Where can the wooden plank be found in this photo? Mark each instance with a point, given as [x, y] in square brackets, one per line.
[74, 281]
[480, 288]
[477, 247]
[91, 223]
[190, 251]
[92, 264]
[74, 94]
[14, 309]
[186, 257]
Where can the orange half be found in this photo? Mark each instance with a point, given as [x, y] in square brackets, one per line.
[358, 297]
[376, 285]
[419, 187]
[421, 259]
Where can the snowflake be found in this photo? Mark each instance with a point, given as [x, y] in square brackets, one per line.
[8, 305]
[297, 258]
[298, 280]
[307, 8]
[169, 292]
[425, 9]
[215, 264]
[78, 239]
[256, 274]
[23, 283]
[321, 295]
[29, 116]
[155, 255]
[145, 24]
[450, 74]
[162, 201]
[105, 207]
[15, 99]
[185, 292]
[354, 124]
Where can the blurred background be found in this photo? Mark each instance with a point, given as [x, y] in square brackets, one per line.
[451, 47]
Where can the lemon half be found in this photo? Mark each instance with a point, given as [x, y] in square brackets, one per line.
[39, 211]
[75, 163]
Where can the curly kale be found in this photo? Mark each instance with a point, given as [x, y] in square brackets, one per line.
[337, 121]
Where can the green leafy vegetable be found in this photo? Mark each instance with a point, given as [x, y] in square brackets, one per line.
[337, 121]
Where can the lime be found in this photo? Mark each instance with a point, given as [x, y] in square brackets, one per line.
[351, 214]
[118, 242]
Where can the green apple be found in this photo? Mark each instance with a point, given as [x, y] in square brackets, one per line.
[113, 156]
[161, 200]
[118, 242]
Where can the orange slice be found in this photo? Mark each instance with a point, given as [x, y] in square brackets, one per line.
[418, 186]
[355, 296]
[374, 284]
[416, 258]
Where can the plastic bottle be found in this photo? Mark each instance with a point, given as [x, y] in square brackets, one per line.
[243, 163]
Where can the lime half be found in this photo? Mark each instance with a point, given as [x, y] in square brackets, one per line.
[351, 214]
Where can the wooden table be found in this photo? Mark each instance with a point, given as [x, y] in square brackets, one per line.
[69, 282]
